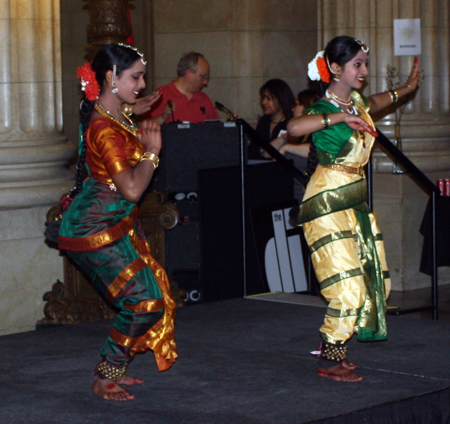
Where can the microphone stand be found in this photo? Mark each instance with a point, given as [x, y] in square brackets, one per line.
[221, 107]
[169, 103]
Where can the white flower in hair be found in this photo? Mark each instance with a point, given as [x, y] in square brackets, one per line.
[313, 69]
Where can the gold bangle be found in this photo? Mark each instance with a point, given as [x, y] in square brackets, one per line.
[391, 96]
[394, 96]
[325, 121]
[154, 159]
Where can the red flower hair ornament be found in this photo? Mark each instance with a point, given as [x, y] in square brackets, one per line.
[89, 83]
[318, 68]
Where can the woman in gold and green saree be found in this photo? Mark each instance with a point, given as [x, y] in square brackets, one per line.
[346, 245]
[100, 231]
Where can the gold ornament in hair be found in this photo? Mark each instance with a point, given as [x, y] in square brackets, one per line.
[364, 48]
[144, 62]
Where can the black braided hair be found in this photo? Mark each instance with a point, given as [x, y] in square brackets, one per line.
[282, 92]
[104, 60]
[86, 108]
[339, 50]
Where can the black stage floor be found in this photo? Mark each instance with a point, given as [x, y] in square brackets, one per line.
[240, 361]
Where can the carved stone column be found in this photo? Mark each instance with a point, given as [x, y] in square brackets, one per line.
[107, 23]
[33, 150]
[425, 126]
[34, 154]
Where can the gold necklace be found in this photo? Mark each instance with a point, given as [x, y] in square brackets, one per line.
[131, 128]
[342, 102]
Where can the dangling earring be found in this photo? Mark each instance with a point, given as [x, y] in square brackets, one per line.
[115, 89]
[336, 77]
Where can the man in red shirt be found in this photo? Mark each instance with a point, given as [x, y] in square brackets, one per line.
[189, 103]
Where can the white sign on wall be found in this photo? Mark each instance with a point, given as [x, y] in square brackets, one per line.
[407, 37]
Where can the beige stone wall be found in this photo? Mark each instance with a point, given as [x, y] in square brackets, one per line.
[400, 206]
[29, 268]
[246, 42]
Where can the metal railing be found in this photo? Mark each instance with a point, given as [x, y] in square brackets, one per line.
[432, 190]
[396, 155]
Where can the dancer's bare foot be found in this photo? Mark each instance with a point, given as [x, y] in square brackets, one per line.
[127, 380]
[339, 373]
[349, 365]
[110, 390]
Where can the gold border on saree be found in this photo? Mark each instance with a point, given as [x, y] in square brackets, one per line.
[346, 169]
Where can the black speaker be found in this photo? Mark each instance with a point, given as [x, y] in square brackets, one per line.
[220, 202]
[189, 281]
[187, 148]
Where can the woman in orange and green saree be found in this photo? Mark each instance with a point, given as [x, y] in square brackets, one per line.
[100, 231]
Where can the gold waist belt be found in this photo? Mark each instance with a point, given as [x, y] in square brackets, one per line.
[347, 169]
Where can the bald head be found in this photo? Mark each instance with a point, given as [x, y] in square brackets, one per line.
[193, 72]
[188, 61]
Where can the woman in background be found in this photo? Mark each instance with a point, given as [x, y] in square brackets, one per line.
[295, 148]
[277, 101]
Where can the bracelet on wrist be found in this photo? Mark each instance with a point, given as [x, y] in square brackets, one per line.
[325, 121]
[154, 159]
[394, 96]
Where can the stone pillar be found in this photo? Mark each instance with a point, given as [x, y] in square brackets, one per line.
[33, 156]
[425, 126]
[108, 23]
[33, 151]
